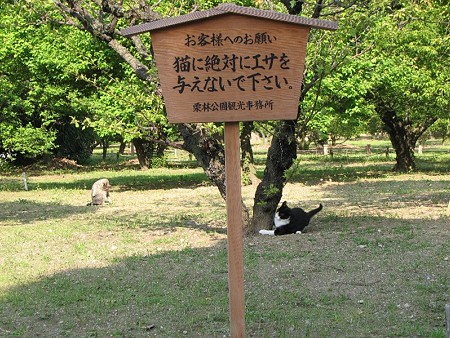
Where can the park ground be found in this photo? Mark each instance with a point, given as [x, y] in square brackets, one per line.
[374, 263]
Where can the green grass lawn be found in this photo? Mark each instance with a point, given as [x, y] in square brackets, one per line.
[374, 263]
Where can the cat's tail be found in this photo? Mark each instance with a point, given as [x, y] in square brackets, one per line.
[315, 211]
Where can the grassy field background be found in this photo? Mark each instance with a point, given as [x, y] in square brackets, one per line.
[374, 263]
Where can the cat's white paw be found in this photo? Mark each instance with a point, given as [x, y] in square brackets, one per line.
[298, 232]
[267, 232]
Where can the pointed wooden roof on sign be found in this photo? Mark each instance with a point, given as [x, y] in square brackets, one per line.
[228, 8]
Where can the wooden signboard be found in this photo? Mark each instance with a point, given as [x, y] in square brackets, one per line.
[231, 68]
[231, 64]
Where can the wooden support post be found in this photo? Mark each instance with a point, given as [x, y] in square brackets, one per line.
[24, 179]
[235, 231]
[447, 320]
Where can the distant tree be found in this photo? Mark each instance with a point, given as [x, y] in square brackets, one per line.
[409, 71]
[395, 78]
[125, 108]
[333, 104]
[23, 122]
[41, 77]
[66, 91]
[342, 111]
[439, 130]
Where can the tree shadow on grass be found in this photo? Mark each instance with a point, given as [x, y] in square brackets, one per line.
[349, 169]
[169, 294]
[320, 172]
[390, 192]
[166, 224]
[312, 176]
[161, 181]
[150, 181]
[11, 184]
[25, 211]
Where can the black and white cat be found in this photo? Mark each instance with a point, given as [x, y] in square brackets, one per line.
[290, 220]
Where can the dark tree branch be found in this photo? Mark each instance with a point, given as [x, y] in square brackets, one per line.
[293, 7]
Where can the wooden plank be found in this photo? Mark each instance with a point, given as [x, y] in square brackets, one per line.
[231, 68]
[447, 320]
[235, 230]
[223, 9]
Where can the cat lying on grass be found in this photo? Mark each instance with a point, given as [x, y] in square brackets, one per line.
[290, 220]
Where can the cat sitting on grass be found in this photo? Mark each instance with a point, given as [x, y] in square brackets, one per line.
[100, 192]
[290, 220]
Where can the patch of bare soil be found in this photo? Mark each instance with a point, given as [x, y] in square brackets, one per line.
[132, 162]
[54, 164]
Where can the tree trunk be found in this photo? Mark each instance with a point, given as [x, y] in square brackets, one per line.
[281, 155]
[403, 135]
[246, 146]
[160, 150]
[105, 145]
[247, 160]
[144, 151]
[122, 147]
[405, 160]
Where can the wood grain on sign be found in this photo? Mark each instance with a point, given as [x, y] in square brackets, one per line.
[231, 68]
[235, 229]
